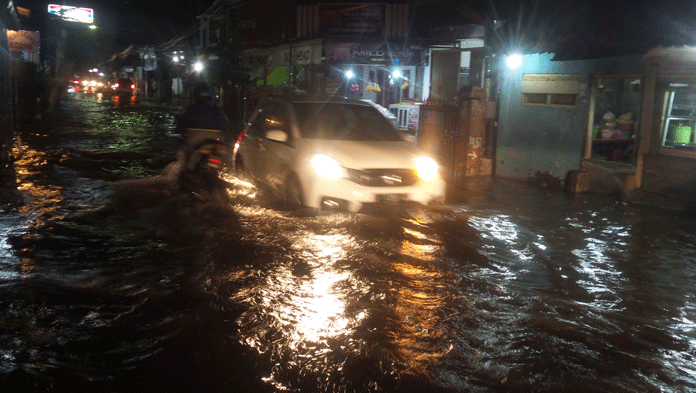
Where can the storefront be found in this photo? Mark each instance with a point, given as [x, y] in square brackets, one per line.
[369, 71]
[294, 64]
[377, 71]
[667, 152]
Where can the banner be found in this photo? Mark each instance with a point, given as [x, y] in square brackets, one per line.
[24, 41]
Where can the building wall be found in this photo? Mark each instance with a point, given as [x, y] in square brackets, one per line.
[445, 72]
[6, 90]
[546, 139]
[669, 174]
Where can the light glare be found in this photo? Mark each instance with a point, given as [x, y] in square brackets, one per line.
[426, 168]
[514, 61]
[326, 166]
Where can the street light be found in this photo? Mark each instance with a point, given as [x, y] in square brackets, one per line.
[198, 66]
[350, 74]
[514, 61]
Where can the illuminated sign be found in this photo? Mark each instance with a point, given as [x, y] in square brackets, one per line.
[24, 41]
[72, 14]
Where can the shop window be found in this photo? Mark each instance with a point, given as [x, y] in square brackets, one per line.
[549, 99]
[550, 89]
[679, 118]
[534, 98]
[614, 114]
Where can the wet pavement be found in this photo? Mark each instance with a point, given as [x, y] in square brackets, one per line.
[112, 281]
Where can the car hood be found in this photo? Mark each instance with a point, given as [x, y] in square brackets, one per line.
[363, 154]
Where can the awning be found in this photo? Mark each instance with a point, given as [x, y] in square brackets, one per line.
[679, 54]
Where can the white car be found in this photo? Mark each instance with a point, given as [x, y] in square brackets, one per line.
[334, 155]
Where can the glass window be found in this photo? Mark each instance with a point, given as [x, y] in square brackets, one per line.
[277, 119]
[679, 117]
[344, 122]
[614, 116]
[256, 126]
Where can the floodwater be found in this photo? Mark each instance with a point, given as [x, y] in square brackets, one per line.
[112, 281]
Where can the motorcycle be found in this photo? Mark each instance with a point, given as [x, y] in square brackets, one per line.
[203, 160]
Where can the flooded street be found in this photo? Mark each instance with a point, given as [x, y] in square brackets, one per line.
[112, 281]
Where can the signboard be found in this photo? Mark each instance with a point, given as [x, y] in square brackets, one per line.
[255, 58]
[350, 20]
[307, 53]
[72, 14]
[280, 56]
[378, 53]
[24, 41]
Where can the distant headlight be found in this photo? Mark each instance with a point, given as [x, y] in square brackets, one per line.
[326, 166]
[426, 168]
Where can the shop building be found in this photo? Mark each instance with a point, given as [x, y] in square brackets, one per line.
[554, 128]
[570, 123]
[666, 172]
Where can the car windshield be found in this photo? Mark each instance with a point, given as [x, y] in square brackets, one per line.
[339, 121]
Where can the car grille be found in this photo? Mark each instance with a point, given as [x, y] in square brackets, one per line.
[383, 177]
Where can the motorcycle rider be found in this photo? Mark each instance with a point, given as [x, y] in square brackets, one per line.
[202, 120]
[203, 115]
[206, 133]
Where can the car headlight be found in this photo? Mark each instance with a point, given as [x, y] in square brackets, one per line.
[426, 168]
[326, 166]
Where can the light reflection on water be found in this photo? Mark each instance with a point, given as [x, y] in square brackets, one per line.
[332, 300]
[515, 304]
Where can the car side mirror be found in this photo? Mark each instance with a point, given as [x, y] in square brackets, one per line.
[277, 135]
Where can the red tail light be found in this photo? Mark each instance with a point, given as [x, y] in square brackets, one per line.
[214, 160]
[115, 85]
[240, 137]
[132, 87]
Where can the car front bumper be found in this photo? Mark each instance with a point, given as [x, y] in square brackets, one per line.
[343, 194]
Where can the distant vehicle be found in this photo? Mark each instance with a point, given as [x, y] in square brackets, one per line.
[86, 86]
[334, 155]
[123, 87]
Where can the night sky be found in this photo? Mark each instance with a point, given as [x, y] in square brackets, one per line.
[580, 28]
[132, 21]
[120, 24]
